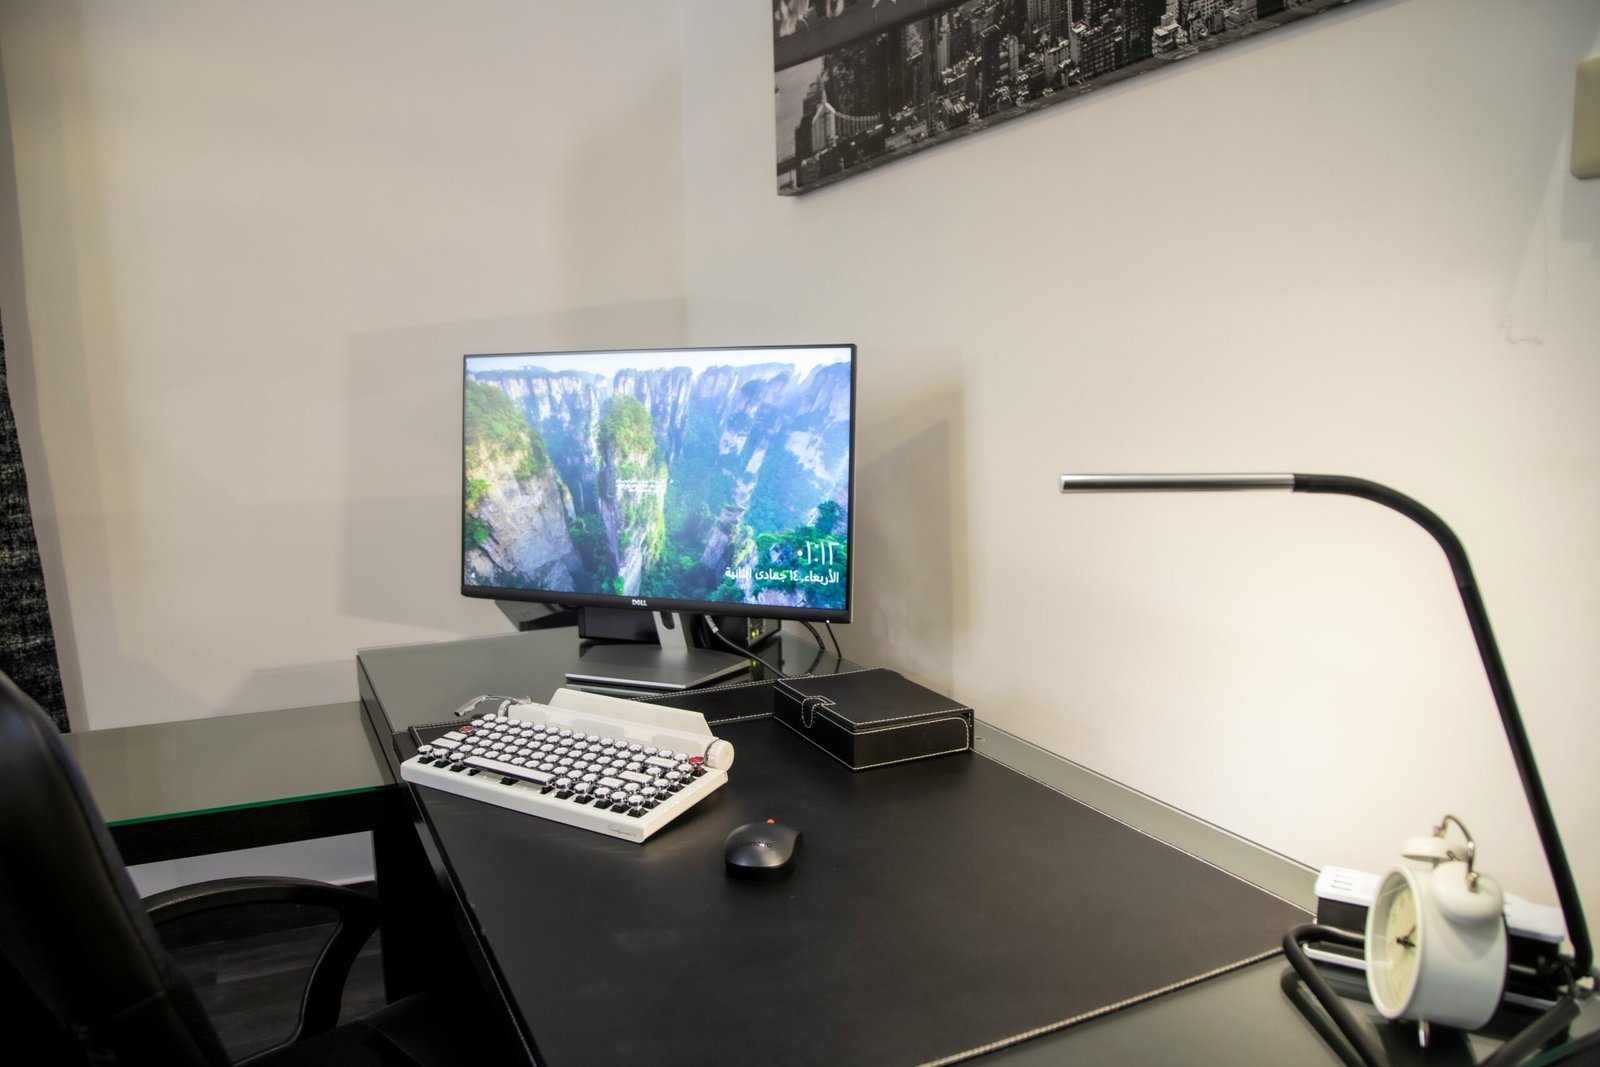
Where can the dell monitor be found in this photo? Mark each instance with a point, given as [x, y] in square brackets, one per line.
[675, 482]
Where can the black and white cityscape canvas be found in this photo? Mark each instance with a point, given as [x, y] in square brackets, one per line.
[861, 82]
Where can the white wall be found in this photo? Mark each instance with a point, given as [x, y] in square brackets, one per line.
[1348, 247]
[245, 248]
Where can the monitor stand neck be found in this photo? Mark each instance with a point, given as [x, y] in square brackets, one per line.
[676, 663]
[672, 631]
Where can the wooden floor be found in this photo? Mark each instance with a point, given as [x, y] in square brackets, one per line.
[250, 981]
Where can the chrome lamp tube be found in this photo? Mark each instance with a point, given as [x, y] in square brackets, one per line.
[1477, 617]
[1173, 483]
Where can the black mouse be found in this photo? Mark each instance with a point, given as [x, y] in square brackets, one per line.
[761, 850]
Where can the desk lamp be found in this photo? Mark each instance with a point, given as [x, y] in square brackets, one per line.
[1452, 935]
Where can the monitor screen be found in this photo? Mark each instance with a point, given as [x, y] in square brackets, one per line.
[708, 480]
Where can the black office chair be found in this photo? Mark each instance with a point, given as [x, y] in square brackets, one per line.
[85, 978]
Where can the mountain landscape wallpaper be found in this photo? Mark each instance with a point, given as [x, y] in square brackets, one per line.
[713, 476]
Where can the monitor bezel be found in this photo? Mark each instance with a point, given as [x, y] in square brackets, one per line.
[735, 609]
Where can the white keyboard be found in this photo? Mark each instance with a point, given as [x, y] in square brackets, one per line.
[613, 766]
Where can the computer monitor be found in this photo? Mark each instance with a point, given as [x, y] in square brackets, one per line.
[679, 482]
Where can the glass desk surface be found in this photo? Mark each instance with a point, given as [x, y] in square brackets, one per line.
[1246, 1016]
[228, 762]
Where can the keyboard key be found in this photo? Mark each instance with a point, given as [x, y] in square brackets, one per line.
[527, 774]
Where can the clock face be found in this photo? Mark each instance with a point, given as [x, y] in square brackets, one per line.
[1427, 962]
[1393, 937]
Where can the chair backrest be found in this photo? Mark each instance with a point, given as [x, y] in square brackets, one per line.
[72, 927]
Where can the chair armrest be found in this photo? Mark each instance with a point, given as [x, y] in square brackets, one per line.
[357, 918]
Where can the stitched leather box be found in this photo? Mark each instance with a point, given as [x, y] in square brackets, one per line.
[872, 718]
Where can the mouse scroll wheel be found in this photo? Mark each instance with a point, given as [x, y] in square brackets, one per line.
[719, 755]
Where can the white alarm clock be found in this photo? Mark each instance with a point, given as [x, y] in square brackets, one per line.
[1436, 945]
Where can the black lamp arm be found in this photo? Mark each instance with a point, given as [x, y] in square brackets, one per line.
[1499, 684]
[1489, 652]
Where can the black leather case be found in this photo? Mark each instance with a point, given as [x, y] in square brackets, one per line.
[872, 718]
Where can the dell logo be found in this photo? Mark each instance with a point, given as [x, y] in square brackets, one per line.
[636, 602]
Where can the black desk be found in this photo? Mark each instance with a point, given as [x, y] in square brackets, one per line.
[791, 954]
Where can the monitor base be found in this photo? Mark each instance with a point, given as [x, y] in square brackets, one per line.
[651, 667]
[674, 664]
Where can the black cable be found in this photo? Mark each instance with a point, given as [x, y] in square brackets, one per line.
[814, 635]
[711, 628]
[816, 659]
[1535, 1035]
[1578, 1052]
[1361, 1041]
[1538, 1033]
[835, 637]
[1306, 1004]
[822, 649]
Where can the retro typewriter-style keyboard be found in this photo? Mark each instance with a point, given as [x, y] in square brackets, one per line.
[599, 763]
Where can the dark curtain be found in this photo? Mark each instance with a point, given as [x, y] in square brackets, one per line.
[27, 645]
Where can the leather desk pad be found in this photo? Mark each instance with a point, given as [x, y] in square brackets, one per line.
[936, 909]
